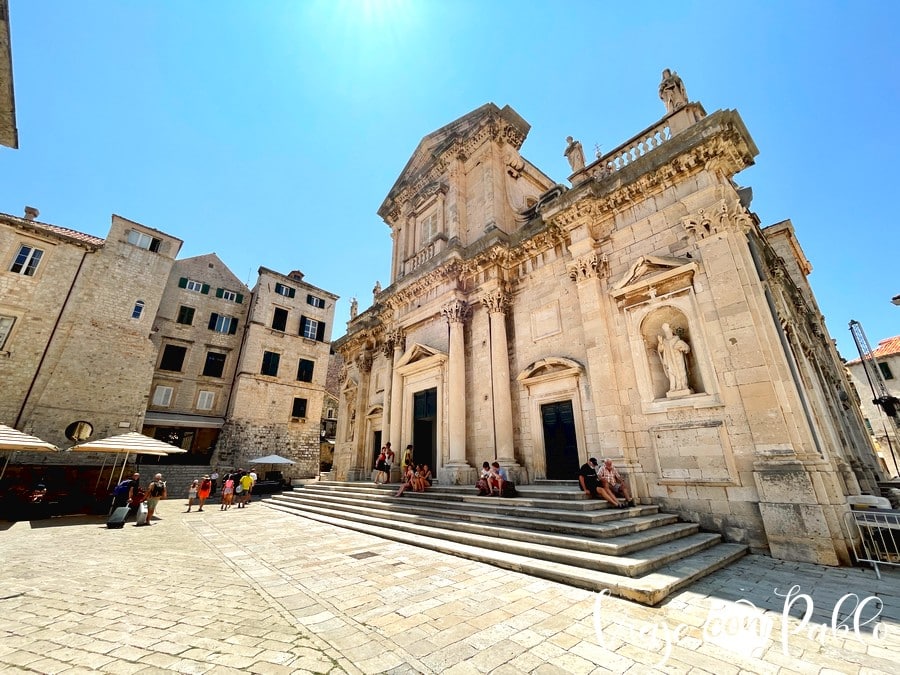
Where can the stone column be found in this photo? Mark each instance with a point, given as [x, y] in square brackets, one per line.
[395, 394]
[496, 304]
[457, 471]
[361, 469]
[387, 350]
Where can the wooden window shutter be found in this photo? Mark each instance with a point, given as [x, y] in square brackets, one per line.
[292, 292]
[205, 289]
[240, 299]
[182, 282]
[233, 328]
[219, 292]
[212, 320]
[303, 321]
[320, 332]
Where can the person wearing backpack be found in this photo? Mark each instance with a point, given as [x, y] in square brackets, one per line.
[155, 491]
[125, 491]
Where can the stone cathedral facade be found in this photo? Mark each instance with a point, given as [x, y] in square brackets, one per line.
[640, 313]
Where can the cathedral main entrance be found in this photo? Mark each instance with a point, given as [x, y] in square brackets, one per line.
[425, 428]
[560, 444]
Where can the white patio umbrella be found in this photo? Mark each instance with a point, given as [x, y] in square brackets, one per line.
[13, 440]
[272, 459]
[132, 442]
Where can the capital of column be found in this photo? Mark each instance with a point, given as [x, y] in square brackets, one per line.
[588, 266]
[364, 362]
[496, 302]
[456, 311]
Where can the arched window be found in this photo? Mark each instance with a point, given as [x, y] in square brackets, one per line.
[138, 309]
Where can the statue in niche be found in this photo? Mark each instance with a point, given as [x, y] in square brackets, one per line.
[354, 308]
[575, 154]
[352, 424]
[673, 353]
[671, 91]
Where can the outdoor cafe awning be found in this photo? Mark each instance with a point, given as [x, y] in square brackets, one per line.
[131, 442]
[13, 440]
[165, 419]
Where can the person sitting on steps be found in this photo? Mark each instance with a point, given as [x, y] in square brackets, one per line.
[408, 480]
[612, 480]
[591, 484]
[497, 478]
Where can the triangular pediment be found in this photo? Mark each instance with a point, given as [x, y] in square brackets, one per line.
[418, 352]
[550, 368]
[435, 144]
[648, 267]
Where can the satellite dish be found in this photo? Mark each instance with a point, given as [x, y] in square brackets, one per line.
[79, 431]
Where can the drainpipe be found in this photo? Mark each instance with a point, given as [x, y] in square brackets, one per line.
[62, 310]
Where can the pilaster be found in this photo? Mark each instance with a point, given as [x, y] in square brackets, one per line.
[457, 471]
[496, 304]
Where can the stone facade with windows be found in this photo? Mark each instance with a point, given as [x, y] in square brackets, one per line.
[641, 314]
[878, 424]
[76, 319]
[198, 331]
[279, 387]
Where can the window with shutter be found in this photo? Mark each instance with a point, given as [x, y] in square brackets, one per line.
[270, 364]
[305, 370]
[299, 408]
[279, 319]
[173, 358]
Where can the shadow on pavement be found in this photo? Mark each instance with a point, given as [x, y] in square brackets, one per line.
[61, 521]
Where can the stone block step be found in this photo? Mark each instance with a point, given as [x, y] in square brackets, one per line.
[564, 491]
[607, 524]
[630, 555]
[648, 589]
[581, 511]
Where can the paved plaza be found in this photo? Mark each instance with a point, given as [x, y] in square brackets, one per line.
[260, 591]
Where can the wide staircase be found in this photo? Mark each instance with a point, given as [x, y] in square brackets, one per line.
[551, 530]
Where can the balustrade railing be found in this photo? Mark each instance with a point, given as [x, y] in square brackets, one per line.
[423, 256]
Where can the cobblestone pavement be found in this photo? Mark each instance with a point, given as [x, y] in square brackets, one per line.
[260, 591]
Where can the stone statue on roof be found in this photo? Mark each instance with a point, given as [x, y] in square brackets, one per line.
[354, 308]
[575, 154]
[671, 91]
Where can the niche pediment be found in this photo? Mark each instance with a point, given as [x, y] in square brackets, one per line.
[550, 368]
[655, 276]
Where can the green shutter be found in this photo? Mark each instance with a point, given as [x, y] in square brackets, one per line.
[240, 299]
[212, 321]
[291, 292]
[205, 289]
[219, 292]
[320, 332]
[233, 329]
[182, 282]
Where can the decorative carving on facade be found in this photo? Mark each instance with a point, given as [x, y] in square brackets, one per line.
[723, 217]
[496, 302]
[397, 339]
[364, 362]
[588, 266]
[456, 311]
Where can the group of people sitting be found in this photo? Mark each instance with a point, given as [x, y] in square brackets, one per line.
[492, 479]
[604, 482]
[416, 476]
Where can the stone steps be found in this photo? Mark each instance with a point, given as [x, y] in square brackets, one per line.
[636, 553]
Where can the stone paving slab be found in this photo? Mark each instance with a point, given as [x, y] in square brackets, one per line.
[264, 592]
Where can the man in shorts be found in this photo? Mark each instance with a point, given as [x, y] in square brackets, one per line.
[587, 479]
[612, 480]
[246, 484]
[155, 491]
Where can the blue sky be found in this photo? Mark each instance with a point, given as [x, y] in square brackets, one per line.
[270, 132]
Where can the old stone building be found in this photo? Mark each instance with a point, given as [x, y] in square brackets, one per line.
[279, 386]
[198, 331]
[76, 316]
[642, 313]
[878, 424]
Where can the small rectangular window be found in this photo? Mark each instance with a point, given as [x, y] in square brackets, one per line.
[205, 400]
[314, 301]
[138, 309]
[185, 315]
[270, 364]
[144, 241]
[286, 291]
[299, 408]
[305, 370]
[329, 414]
[312, 329]
[279, 319]
[223, 324]
[428, 227]
[885, 371]
[215, 364]
[162, 396]
[196, 286]
[173, 358]
[6, 324]
[27, 261]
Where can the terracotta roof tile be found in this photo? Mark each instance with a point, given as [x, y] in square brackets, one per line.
[887, 347]
[55, 229]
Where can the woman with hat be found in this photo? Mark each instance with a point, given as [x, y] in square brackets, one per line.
[204, 490]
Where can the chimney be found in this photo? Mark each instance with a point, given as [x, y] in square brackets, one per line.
[31, 213]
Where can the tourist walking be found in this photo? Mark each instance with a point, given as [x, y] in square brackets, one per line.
[155, 492]
[389, 458]
[204, 491]
[381, 467]
[214, 477]
[193, 489]
[246, 485]
[227, 493]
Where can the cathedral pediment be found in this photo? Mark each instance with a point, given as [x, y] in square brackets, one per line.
[459, 137]
[652, 276]
[552, 367]
[419, 352]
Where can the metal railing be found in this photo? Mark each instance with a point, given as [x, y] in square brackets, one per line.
[875, 536]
